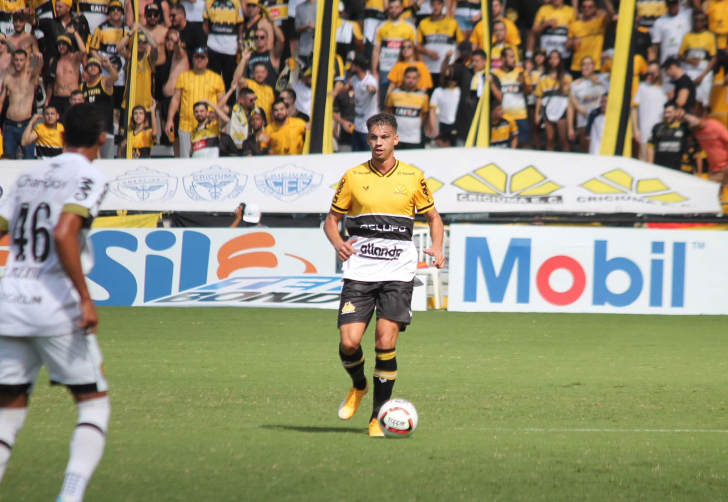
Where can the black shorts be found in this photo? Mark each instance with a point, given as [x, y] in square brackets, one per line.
[392, 300]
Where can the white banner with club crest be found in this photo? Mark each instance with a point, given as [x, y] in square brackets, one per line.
[463, 180]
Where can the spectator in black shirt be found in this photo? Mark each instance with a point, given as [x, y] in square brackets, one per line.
[191, 35]
[344, 115]
[669, 140]
[53, 28]
[257, 142]
[684, 96]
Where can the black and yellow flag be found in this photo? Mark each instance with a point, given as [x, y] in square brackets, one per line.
[320, 138]
[479, 134]
[131, 77]
[617, 137]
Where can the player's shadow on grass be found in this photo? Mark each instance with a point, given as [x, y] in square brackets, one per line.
[315, 430]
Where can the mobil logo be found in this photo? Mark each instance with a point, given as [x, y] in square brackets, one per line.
[598, 277]
[135, 267]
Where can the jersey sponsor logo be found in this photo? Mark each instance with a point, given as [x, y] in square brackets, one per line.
[618, 185]
[21, 299]
[400, 173]
[400, 190]
[84, 188]
[213, 184]
[385, 228]
[348, 308]
[491, 184]
[27, 181]
[144, 184]
[288, 183]
[425, 190]
[438, 39]
[380, 252]
[401, 111]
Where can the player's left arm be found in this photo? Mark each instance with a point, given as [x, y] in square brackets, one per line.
[437, 233]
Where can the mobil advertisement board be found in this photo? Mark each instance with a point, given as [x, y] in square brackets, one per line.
[212, 267]
[587, 270]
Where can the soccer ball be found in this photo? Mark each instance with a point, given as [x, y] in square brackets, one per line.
[397, 418]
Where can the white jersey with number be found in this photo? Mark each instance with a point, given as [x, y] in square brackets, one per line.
[37, 297]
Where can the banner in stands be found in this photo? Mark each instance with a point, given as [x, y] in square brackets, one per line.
[142, 266]
[587, 270]
[463, 180]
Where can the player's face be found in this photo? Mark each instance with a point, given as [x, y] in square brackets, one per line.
[50, 116]
[410, 80]
[260, 74]
[395, 9]
[587, 66]
[261, 40]
[19, 61]
[279, 112]
[670, 114]
[382, 140]
[200, 113]
[437, 6]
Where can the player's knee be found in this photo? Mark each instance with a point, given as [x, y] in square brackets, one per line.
[348, 347]
[94, 413]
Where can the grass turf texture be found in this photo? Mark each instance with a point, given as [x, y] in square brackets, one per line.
[240, 404]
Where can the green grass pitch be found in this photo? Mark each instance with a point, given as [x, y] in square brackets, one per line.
[240, 404]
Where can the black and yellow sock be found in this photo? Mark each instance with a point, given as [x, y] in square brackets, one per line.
[354, 366]
[385, 373]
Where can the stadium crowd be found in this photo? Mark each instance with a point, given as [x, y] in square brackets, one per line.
[226, 78]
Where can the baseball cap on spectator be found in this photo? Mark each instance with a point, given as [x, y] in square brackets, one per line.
[251, 2]
[93, 61]
[142, 37]
[152, 7]
[116, 4]
[66, 2]
[63, 39]
[306, 70]
[251, 213]
[200, 51]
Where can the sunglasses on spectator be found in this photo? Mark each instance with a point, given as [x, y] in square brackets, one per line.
[408, 47]
[116, 9]
[262, 37]
[152, 14]
[172, 16]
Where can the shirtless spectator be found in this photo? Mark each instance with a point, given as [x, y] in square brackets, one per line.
[156, 29]
[19, 88]
[6, 58]
[255, 21]
[167, 74]
[161, 7]
[20, 39]
[65, 72]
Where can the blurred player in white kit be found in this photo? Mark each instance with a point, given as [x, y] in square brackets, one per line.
[47, 316]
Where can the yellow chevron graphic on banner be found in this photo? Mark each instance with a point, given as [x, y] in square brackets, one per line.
[491, 179]
[620, 182]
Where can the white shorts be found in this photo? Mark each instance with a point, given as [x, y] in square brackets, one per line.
[73, 360]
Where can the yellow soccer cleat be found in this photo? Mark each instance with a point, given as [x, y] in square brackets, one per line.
[375, 431]
[351, 402]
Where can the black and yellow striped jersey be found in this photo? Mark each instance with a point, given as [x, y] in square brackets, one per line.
[223, 17]
[206, 140]
[549, 86]
[105, 38]
[409, 107]
[141, 143]
[514, 98]
[503, 132]
[380, 211]
[700, 46]
[49, 142]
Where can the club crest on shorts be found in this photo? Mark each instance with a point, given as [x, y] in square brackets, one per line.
[348, 308]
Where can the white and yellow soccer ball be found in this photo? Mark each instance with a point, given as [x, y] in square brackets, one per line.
[398, 418]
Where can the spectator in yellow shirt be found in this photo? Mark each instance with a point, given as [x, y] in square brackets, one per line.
[408, 58]
[284, 134]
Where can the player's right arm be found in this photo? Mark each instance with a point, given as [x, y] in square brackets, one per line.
[339, 207]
